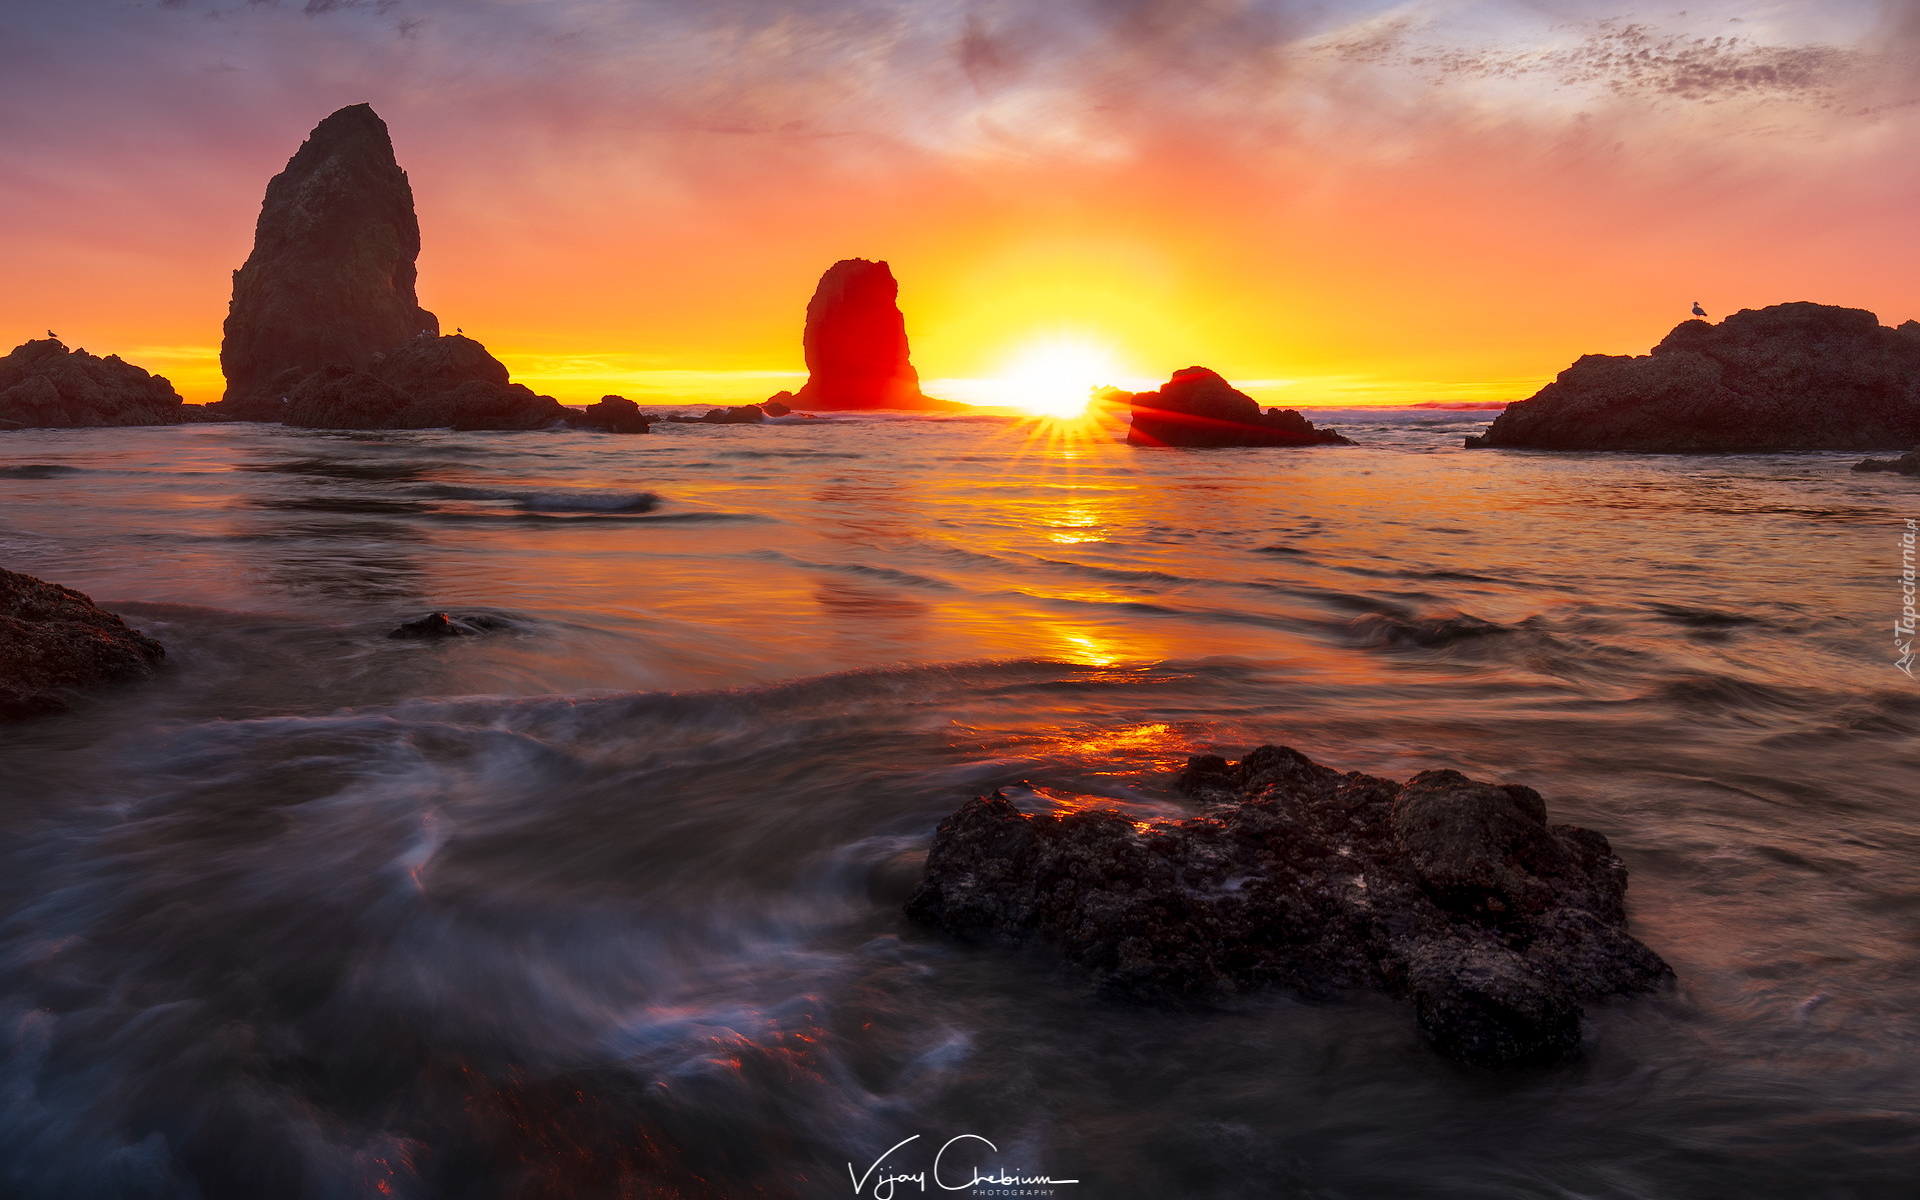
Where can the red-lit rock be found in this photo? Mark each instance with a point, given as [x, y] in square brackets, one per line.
[1456, 894]
[856, 343]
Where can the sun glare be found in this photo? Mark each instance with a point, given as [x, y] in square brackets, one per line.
[1055, 377]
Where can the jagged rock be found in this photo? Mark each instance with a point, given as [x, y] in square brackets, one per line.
[342, 398]
[55, 642]
[611, 414]
[330, 281]
[1906, 464]
[1198, 408]
[856, 343]
[44, 385]
[1453, 893]
[427, 368]
[1788, 377]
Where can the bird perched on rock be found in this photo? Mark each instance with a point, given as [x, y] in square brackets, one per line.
[53, 335]
[1697, 310]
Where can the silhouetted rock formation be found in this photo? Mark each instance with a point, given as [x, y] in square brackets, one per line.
[55, 642]
[856, 343]
[1455, 893]
[739, 414]
[330, 281]
[777, 406]
[1789, 377]
[1199, 408]
[45, 385]
[612, 414]
[430, 383]
[1906, 464]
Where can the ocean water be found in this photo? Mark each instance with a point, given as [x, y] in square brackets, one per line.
[605, 902]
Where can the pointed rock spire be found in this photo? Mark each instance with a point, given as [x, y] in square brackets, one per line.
[330, 281]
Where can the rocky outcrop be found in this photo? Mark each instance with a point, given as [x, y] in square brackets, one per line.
[738, 414]
[611, 414]
[1454, 893]
[856, 343]
[330, 281]
[1789, 377]
[1198, 408]
[54, 643]
[44, 385]
[430, 383]
[1906, 464]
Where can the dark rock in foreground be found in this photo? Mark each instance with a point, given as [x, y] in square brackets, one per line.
[44, 385]
[1906, 464]
[1789, 377]
[331, 279]
[1455, 893]
[54, 642]
[738, 414]
[430, 383]
[856, 343]
[1198, 408]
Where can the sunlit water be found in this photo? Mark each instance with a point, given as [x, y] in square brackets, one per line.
[606, 903]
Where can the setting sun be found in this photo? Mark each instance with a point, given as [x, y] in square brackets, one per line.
[1055, 377]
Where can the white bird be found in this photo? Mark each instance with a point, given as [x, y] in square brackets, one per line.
[1697, 310]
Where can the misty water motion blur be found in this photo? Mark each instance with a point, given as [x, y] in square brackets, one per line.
[604, 900]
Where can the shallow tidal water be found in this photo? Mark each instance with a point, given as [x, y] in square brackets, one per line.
[605, 903]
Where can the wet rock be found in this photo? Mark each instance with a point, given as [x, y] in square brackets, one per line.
[777, 406]
[433, 625]
[1787, 377]
[478, 406]
[612, 414]
[54, 643]
[1906, 464]
[44, 385]
[1198, 408]
[856, 343]
[1454, 893]
[331, 279]
[739, 414]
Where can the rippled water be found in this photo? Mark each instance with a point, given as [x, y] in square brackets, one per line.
[606, 902]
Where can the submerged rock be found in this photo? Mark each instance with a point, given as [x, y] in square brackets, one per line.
[54, 642]
[1906, 464]
[44, 385]
[1200, 409]
[330, 280]
[856, 343]
[1788, 377]
[1455, 893]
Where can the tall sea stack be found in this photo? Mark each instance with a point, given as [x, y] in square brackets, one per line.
[330, 281]
[856, 342]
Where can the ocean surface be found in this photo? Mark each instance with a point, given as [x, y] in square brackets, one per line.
[606, 902]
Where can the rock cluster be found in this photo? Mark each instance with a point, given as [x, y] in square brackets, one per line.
[1788, 377]
[429, 383]
[44, 385]
[856, 343]
[1198, 408]
[55, 642]
[1455, 893]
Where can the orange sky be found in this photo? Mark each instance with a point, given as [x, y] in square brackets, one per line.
[1348, 203]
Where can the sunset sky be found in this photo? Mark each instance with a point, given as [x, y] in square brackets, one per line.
[1326, 202]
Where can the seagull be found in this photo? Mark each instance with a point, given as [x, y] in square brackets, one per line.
[53, 335]
[1697, 310]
